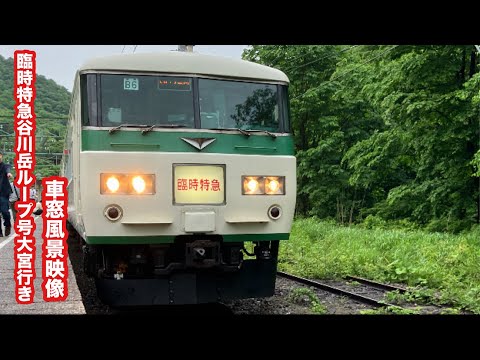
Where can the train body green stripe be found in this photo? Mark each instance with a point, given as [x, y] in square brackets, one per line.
[112, 240]
[171, 141]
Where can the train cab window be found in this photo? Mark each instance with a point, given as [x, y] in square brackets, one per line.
[235, 104]
[146, 100]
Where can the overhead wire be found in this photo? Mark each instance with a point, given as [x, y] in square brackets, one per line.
[301, 55]
[356, 67]
[316, 60]
[371, 59]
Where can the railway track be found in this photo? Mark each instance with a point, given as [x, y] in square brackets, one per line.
[357, 296]
[377, 285]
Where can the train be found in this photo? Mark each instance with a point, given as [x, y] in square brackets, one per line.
[181, 176]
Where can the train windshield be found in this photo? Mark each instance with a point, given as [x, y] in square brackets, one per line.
[241, 105]
[146, 100]
[179, 101]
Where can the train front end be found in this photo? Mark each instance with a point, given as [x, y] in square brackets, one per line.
[186, 185]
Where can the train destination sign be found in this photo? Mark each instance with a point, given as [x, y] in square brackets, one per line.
[174, 84]
[199, 184]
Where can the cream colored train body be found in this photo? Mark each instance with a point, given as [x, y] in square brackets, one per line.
[178, 164]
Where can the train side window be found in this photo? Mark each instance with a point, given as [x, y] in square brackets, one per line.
[89, 103]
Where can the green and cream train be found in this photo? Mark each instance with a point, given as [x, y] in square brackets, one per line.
[181, 176]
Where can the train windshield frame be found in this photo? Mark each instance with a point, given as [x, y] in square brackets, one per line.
[111, 100]
[234, 104]
[146, 100]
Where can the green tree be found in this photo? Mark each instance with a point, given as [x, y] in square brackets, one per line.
[385, 130]
[51, 109]
[421, 161]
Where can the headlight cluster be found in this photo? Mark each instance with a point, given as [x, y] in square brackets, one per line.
[127, 184]
[263, 185]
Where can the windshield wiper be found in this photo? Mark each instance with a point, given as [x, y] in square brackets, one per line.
[112, 130]
[164, 126]
[246, 133]
[265, 132]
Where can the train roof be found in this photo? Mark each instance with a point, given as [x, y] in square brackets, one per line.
[185, 63]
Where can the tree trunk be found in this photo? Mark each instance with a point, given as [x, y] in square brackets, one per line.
[353, 206]
[303, 133]
[473, 63]
[462, 69]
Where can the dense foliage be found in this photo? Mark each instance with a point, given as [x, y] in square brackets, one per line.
[388, 133]
[442, 266]
[51, 108]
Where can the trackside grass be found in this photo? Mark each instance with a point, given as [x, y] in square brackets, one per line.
[445, 265]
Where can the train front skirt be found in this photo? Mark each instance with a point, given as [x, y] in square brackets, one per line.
[256, 278]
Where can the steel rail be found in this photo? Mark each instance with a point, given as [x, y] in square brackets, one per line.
[335, 290]
[376, 284]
